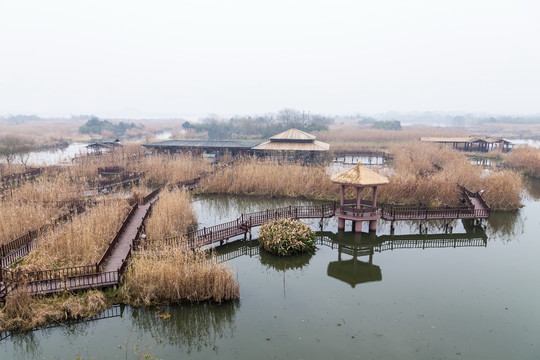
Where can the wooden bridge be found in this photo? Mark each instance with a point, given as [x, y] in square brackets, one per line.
[242, 226]
[110, 269]
[379, 244]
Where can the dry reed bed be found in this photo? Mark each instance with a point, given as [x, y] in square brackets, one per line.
[524, 159]
[255, 177]
[81, 241]
[49, 189]
[178, 275]
[171, 169]
[171, 215]
[360, 138]
[17, 218]
[23, 312]
[423, 175]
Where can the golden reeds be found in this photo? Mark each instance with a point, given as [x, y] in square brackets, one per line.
[256, 177]
[81, 241]
[22, 312]
[177, 275]
[20, 217]
[171, 215]
[524, 159]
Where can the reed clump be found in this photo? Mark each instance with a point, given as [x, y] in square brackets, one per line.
[81, 241]
[18, 218]
[286, 237]
[23, 312]
[178, 274]
[172, 215]
[350, 138]
[257, 177]
[425, 174]
[50, 189]
[526, 160]
[171, 169]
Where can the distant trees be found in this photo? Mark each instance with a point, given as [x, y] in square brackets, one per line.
[387, 125]
[13, 147]
[96, 126]
[262, 126]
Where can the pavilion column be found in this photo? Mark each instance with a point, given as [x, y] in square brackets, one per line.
[357, 225]
[358, 196]
[341, 221]
[373, 223]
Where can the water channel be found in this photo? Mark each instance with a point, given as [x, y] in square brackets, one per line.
[469, 294]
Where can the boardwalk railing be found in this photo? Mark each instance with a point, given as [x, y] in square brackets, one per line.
[6, 179]
[241, 225]
[22, 246]
[393, 213]
[114, 241]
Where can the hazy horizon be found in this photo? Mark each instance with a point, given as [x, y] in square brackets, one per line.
[169, 59]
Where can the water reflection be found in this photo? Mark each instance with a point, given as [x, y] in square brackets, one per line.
[533, 188]
[505, 226]
[192, 327]
[354, 271]
[29, 344]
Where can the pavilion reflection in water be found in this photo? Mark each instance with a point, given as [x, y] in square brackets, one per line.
[357, 245]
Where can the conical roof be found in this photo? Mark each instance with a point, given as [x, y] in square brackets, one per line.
[294, 135]
[359, 175]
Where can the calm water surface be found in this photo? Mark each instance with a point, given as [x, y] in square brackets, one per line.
[365, 296]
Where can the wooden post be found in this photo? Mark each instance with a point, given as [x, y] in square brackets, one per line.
[342, 195]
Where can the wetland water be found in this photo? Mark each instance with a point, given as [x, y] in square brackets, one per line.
[477, 300]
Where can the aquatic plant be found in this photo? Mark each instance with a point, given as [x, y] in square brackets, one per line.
[286, 237]
[176, 275]
[172, 215]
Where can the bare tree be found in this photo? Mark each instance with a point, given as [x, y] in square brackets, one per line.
[12, 147]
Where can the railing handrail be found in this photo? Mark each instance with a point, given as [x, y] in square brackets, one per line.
[114, 241]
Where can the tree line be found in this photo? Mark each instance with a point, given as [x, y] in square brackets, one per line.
[259, 127]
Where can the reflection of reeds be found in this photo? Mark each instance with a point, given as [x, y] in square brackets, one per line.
[193, 327]
[176, 275]
[172, 215]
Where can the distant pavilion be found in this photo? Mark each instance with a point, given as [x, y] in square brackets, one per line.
[472, 143]
[292, 145]
[359, 177]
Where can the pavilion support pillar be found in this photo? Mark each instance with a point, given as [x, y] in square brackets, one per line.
[358, 196]
[342, 195]
[357, 226]
[341, 224]
[373, 223]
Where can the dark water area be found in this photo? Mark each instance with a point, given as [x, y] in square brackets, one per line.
[468, 294]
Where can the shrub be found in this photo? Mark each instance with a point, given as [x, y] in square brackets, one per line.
[286, 237]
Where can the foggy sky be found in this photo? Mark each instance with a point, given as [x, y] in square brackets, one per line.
[191, 58]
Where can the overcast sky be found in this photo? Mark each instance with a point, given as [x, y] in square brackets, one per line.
[191, 58]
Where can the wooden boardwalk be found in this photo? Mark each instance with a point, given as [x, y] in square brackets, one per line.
[110, 269]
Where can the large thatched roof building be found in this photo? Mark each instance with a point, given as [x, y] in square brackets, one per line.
[293, 144]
